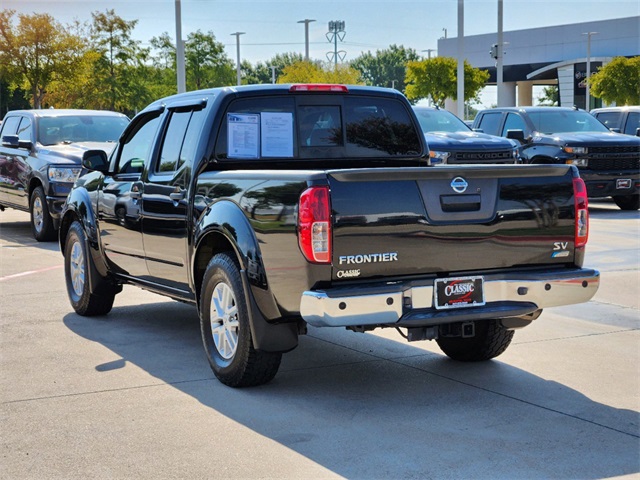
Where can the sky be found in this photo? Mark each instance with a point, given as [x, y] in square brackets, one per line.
[271, 26]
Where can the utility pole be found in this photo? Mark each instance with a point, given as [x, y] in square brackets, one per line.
[461, 59]
[273, 73]
[237, 34]
[588, 100]
[180, 74]
[429, 50]
[306, 22]
[499, 61]
[336, 32]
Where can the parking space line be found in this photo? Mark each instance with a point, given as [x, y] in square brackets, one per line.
[30, 272]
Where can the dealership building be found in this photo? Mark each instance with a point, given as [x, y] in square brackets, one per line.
[554, 55]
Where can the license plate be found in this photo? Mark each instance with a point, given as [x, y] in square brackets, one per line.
[623, 183]
[459, 292]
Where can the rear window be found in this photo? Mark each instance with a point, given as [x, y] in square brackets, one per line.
[316, 127]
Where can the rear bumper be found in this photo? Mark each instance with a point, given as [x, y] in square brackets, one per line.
[608, 184]
[410, 304]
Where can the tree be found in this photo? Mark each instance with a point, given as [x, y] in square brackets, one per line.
[36, 52]
[550, 96]
[437, 78]
[618, 81]
[261, 73]
[206, 63]
[387, 68]
[318, 72]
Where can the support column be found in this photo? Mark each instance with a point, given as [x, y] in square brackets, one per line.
[565, 85]
[525, 94]
[509, 95]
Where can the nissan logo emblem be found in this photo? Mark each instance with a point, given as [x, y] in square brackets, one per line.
[459, 185]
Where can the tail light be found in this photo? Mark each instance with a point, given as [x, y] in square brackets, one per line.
[314, 224]
[318, 87]
[581, 212]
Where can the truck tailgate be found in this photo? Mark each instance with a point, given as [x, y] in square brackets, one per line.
[417, 221]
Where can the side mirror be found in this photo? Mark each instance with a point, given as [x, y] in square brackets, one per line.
[615, 129]
[637, 132]
[13, 141]
[516, 135]
[95, 160]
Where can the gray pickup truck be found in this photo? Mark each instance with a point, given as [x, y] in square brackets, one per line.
[40, 158]
[271, 208]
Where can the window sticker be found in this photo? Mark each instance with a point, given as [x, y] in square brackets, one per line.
[243, 134]
[276, 131]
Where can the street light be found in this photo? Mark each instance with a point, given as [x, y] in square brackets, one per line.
[587, 100]
[237, 34]
[306, 22]
[429, 50]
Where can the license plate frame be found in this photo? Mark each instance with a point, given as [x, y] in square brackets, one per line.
[623, 183]
[456, 292]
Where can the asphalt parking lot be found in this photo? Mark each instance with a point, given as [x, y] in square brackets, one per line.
[131, 395]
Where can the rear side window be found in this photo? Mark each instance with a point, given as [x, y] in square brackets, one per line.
[633, 123]
[490, 123]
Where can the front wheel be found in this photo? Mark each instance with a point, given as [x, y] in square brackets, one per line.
[490, 340]
[627, 202]
[41, 221]
[226, 332]
[77, 268]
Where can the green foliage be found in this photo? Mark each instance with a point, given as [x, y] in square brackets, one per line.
[618, 81]
[385, 68]
[206, 63]
[318, 72]
[437, 79]
[550, 96]
[36, 51]
[261, 73]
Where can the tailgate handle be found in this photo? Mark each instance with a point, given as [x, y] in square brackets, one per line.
[460, 203]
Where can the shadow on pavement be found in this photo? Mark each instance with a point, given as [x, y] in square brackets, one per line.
[363, 406]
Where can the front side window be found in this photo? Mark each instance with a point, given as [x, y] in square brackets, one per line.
[25, 129]
[633, 123]
[10, 125]
[490, 123]
[610, 119]
[136, 150]
[513, 122]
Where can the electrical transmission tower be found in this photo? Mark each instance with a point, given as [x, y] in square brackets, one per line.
[336, 32]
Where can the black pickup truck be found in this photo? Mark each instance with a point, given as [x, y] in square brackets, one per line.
[275, 207]
[608, 162]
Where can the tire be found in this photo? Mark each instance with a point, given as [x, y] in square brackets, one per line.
[226, 332]
[77, 268]
[627, 202]
[41, 221]
[490, 340]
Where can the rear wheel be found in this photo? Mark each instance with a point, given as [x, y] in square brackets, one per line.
[627, 202]
[41, 221]
[77, 268]
[490, 340]
[226, 333]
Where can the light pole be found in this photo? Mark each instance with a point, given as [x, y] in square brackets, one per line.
[460, 59]
[237, 34]
[182, 87]
[306, 22]
[499, 61]
[429, 50]
[273, 73]
[587, 100]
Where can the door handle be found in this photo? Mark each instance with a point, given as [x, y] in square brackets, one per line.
[177, 196]
[135, 193]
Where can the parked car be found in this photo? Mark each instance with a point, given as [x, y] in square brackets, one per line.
[40, 158]
[270, 207]
[620, 119]
[451, 141]
[608, 162]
